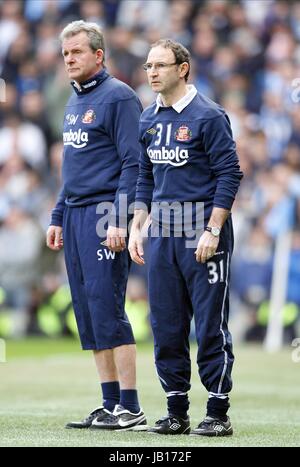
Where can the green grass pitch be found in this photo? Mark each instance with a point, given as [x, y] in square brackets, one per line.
[44, 384]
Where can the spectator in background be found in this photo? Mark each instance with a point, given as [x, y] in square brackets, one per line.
[33, 110]
[26, 139]
[293, 293]
[36, 10]
[9, 101]
[10, 25]
[93, 11]
[20, 246]
[140, 14]
[122, 53]
[56, 92]
[252, 273]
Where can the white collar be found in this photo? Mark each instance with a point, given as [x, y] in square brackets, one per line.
[182, 103]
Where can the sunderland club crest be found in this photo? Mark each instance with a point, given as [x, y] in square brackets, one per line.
[89, 116]
[183, 133]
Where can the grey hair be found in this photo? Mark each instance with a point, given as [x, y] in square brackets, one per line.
[92, 30]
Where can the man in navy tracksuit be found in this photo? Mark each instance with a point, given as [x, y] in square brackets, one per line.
[188, 158]
[100, 163]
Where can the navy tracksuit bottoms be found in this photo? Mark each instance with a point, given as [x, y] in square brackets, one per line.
[180, 287]
[98, 279]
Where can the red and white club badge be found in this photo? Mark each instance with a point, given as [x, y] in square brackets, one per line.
[183, 133]
[89, 116]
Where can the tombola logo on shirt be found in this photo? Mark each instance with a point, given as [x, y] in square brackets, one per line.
[77, 139]
[176, 157]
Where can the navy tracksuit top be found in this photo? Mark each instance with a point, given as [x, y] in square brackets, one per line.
[100, 159]
[188, 156]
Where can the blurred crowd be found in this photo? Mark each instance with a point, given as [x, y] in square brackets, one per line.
[245, 56]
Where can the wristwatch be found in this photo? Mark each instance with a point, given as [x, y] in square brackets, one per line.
[215, 231]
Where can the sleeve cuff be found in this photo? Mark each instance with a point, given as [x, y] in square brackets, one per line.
[57, 220]
[143, 204]
[224, 202]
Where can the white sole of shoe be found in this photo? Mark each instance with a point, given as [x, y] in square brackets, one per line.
[135, 428]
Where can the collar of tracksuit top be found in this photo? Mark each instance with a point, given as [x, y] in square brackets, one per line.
[91, 83]
[180, 105]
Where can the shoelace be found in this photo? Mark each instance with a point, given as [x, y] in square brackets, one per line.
[163, 419]
[93, 414]
[111, 417]
[208, 423]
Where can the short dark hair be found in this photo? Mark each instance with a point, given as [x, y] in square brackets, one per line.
[181, 54]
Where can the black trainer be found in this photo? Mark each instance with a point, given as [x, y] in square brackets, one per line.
[213, 427]
[171, 425]
[122, 420]
[99, 412]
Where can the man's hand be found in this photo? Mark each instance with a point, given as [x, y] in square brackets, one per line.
[207, 247]
[135, 246]
[54, 238]
[116, 239]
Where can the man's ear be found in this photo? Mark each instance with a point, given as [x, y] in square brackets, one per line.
[184, 69]
[99, 56]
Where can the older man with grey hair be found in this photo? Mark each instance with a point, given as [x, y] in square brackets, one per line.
[100, 165]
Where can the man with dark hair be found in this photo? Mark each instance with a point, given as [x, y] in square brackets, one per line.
[180, 53]
[100, 164]
[188, 157]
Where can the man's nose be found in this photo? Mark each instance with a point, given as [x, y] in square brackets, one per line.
[69, 59]
[153, 71]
